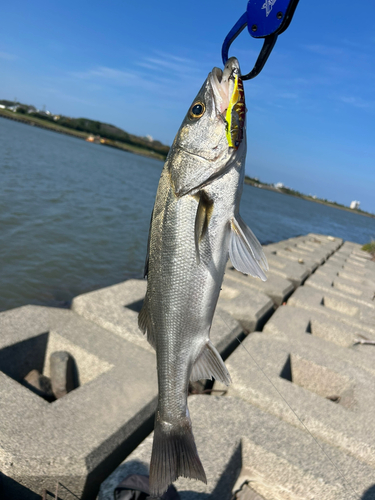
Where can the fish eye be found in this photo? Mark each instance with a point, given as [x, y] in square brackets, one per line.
[197, 110]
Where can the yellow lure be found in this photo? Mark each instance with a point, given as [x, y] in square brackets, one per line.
[235, 115]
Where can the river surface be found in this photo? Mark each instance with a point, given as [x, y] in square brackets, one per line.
[74, 216]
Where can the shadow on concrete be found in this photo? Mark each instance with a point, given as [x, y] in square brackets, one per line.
[125, 446]
[11, 490]
[229, 477]
[135, 306]
[369, 494]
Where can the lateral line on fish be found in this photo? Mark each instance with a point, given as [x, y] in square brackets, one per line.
[357, 495]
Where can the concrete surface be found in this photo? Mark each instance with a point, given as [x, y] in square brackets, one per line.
[297, 423]
[250, 307]
[276, 288]
[340, 308]
[288, 322]
[308, 383]
[237, 442]
[79, 439]
[116, 308]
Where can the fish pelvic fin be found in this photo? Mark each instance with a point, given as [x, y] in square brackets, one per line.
[209, 364]
[174, 454]
[245, 251]
[144, 322]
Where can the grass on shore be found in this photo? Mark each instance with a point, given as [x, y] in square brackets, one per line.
[370, 248]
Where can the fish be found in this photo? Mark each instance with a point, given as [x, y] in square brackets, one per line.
[195, 226]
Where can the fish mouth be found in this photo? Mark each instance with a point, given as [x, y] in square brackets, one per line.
[222, 84]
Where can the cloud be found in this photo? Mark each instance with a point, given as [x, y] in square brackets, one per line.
[158, 73]
[324, 50]
[7, 56]
[358, 102]
[103, 72]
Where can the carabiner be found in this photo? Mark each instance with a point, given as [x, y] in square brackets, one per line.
[263, 22]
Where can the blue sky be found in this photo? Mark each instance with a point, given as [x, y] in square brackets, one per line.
[138, 65]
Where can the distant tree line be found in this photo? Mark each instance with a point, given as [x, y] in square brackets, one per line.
[106, 131]
[93, 127]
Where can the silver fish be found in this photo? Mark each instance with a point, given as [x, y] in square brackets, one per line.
[194, 226]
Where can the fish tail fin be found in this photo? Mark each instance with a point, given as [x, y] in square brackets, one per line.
[174, 454]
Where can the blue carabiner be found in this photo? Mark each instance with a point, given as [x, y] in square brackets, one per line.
[264, 20]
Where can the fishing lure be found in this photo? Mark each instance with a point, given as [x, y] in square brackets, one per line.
[235, 115]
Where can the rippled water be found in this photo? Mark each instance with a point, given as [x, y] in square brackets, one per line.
[74, 216]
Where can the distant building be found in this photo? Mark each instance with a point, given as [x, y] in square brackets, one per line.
[355, 204]
[95, 139]
[279, 185]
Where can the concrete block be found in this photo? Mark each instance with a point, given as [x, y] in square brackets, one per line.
[321, 245]
[329, 269]
[295, 255]
[350, 245]
[276, 287]
[353, 261]
[303, 381]
[336, 258]
[362, 254]
[327, 241]
[319, 241]
[360, 290]
[239, 443]
[289, 321]
[225, 331]
[340, 308]
[295, 272]
[250, 307]
[342, 287]
[361, 298]
[116, 308]
[355, 278]
[365, 272]
[80, 438]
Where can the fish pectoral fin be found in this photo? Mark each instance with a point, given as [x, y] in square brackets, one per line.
[144, 323]
[210, 364]
[145, 272]
[202, 220]
[245, 251]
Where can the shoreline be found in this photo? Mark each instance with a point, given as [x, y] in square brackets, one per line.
[37, 122]
[260, 185]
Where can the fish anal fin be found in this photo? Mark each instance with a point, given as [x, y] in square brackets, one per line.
[202, 219]
[245, 251]
[144, 322]
[210, 364]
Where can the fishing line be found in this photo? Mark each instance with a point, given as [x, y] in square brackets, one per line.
[357, 495]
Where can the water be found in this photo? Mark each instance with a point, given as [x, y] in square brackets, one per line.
[74, 216]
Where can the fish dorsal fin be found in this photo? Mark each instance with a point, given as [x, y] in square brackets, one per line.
[144, 323]
[245, 251]
[210, 364]
[202, 220]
